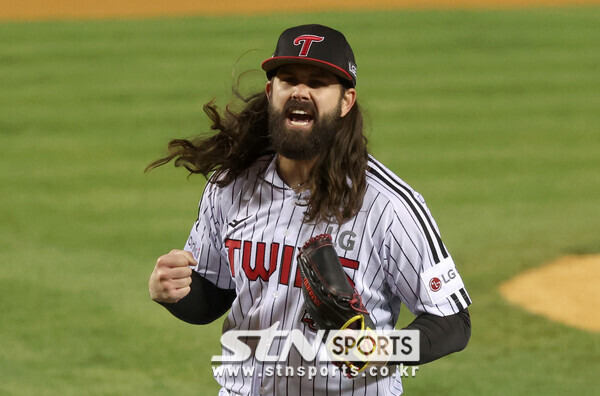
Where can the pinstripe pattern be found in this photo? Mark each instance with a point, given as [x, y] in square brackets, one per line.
[247, 236]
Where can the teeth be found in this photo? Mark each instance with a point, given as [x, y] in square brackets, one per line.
[299, 112]
[299, 123]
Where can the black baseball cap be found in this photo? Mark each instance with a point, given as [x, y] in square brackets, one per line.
[317, 45]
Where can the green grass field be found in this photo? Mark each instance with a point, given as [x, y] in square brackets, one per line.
[494, 116]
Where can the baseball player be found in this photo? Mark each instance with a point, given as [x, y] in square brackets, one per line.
[291, 165]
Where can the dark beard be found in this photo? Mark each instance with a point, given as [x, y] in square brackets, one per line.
[301, 146]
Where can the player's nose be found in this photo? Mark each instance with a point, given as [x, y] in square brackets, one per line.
[300, 92]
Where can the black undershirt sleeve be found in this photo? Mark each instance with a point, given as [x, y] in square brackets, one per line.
[204, 303]
[441, 335]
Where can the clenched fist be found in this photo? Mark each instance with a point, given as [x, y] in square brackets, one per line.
[170, 281]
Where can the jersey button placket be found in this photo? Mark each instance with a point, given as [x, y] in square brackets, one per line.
[270, 296]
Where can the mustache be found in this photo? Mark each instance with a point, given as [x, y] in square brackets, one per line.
[294, 104]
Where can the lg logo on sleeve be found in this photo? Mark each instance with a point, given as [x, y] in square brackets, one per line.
[435, 283]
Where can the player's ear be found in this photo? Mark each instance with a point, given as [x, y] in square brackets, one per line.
[269, 89]
[348, 100]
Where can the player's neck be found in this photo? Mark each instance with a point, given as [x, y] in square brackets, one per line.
[294, 173]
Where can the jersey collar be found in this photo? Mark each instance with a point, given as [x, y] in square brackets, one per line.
[271, 176]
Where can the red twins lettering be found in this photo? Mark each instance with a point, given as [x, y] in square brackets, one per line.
[250, 258]
[307, 40]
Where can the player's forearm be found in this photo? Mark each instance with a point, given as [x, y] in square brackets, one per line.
[441, 335]
[204, 304]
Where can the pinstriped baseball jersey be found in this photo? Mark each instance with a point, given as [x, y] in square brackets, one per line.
[248, 234]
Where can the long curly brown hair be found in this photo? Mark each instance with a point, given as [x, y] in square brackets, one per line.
[337, 181]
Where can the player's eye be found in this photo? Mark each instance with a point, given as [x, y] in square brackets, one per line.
[283, 76]
[316, 83]
[288, 80]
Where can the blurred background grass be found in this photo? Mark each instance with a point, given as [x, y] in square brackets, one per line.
[492, 115]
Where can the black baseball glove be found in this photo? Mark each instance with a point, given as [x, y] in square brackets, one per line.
[330, 299]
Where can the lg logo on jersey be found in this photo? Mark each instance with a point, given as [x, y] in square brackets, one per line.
[345, 239]
[435, 283]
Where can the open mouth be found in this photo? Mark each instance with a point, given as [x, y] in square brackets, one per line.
[299, 118]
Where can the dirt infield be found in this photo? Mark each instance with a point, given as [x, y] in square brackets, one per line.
[66, 9]
[563, 290]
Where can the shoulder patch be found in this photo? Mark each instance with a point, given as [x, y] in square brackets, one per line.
[441, 280]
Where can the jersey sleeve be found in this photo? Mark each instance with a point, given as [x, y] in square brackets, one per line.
[420, 269]
[205, 244]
